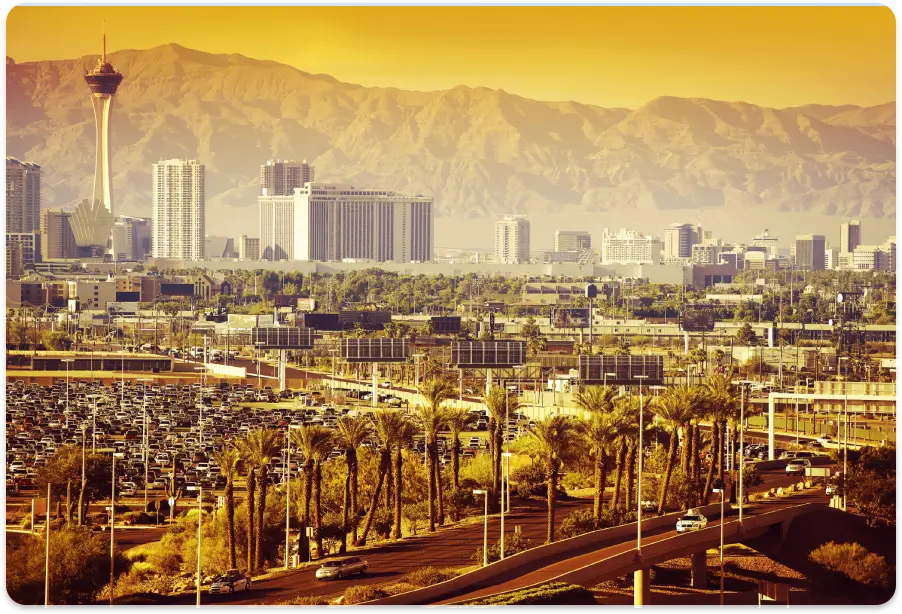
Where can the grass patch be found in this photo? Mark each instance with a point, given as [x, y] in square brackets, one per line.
[556, 593]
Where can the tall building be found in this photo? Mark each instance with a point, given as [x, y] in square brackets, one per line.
[512, 240]
[57, 238]
[810, 252]
[875, 257]
[629, 247]
[341, 222]
[29, 245]
[23, 196]
[767, 242]
[849, 236]
[94, 219]
[248, 248]
[572, 241]
[679, 239]
[179, 210]
[13, 261]
[276, 227]
[281, 177]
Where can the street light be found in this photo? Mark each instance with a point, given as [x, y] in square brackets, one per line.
[200, 514]
[112, 525]
[259, 345]
[47, 547]
[507, 485]
[83, 438]
[719, 487]
[68, 361]
[146, 434]
[605, 378]
[845, 450]
[200, 406]
[485, 534]
[641, 453]
[287, 475]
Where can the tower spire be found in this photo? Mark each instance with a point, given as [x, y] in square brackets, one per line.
[103, 30]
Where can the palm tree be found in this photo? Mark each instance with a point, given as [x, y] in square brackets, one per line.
[457, 420]
[435, 390]
[324, 444]
[351, 433]
[251, 526]
[406, 430]
[227, 460]
[623, 441]
[313, 441]
[555, 440]
[496, 400]
[599, 430]
[258, 448]
[675, 406]
[721, 403]
[387, 424]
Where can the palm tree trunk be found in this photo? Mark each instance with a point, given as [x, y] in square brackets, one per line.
[630, 458]
[491, 443]
[308, 490]
[601, 476]
[709, 481]
[261, 508]
[82, 504]
[345, 518]
[720, 439]
[668, 473]
[318, 507]
[371, 514]
[618, 475]
[694, 465]
[430, 461]
[438, 487]
[552, 500]
[251, 487]
[398, 482]
[455, 460]
[355, 510]
[230, 521]
[686, 456]
[389, 487]
[70, 507]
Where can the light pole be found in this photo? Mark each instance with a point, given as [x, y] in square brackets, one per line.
[845, 450]
[47, 550]
[333, 351]
[720, 489]
[485, 533]
[94, 427]
[83, 437]
[112, 525]
[741, 446]
[200, 514]
[200, 406]
[641, 454]
[259, 345]
[146, 435]
[605, 378]
[288, 488]
[68, 361]
[507, 458]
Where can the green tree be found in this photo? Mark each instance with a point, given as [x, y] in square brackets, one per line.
[457, 420]
[555, 439]
[227, 460]
[387, 424]
[675, 406]
[600, 429]
[352, 431]
[258, 448]
[64, 467]
[435, 390]
[746, 335]
[315, 442]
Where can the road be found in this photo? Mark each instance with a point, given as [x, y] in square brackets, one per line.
[126, 538]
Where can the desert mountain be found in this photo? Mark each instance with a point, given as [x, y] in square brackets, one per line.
[477, 151]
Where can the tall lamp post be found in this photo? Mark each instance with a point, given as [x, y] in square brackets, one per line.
[146, 434]
[506, 456]
[200, 406]
[112, 525]
[68, 362]
[288, 489]
[47, 549]
[719, 487]
[259, 345]
[605, 378]
[641, 454]
[84, 429]
[200, 515]
[845, 448]
[485, 533]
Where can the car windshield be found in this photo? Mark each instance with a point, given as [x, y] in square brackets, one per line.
[692, 518]
[332, 564]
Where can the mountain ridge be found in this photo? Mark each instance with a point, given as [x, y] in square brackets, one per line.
[479, 151]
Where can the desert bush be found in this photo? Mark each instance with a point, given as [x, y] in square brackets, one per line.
[513, 543]
[557, 593]
[399, 587]
[478, 470]
[427, 576]
[530, 480]
[853, 561]
[582, 521]
[751, 476]
[574, 480]
[132, 518]
[416, 514]
[305, 600]
[363, 593]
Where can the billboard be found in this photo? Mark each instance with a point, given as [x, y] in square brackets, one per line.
[621, 369]
[128, 297]
[488, 354]
[368, 320]
[696, 320]
[570, 318]
[176, 290]
[382, 349]
[284, 300]
[445, 324]
[282, 337]
[306, 304]
[322, 321]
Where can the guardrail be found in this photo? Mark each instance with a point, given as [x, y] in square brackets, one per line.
[531, 559]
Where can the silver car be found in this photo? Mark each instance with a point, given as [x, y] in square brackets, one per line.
[341, 568]
[693, 520]
[230, 582]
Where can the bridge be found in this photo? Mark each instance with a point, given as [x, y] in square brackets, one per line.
[605, 554]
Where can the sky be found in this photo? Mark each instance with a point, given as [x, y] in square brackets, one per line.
[608, 56]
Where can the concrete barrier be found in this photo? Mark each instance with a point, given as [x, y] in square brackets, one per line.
[531, 559]
[225, 370]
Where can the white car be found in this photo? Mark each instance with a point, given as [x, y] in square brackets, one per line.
[341, 568]
[230, 582]
[692, 520]
[798, 466]
[824, 440]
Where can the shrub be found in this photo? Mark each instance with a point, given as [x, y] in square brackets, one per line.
[416, 514]
[361, 594]
[582, 521]
[399, 587]
[305, 600]
[854, 562]
[427, 576]
[530, 481]
[750, 477]
[132, 518]
[513, 543]
[557, 593]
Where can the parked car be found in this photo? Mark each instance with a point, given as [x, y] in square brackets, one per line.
[341, 568]
[230, 582]
[824, 440]
[693, 520]
[798, 466]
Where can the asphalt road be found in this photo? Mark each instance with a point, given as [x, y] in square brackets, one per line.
[126, 538]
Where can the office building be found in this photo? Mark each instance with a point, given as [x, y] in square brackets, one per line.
[57, 238]
[629, 247]
[13, 261]
[92, 294]
[94, 219]
[875, 257]
[849, 236]
[706, 253]
[281, 177]
[809, 253]
[340, 222]
[767, 243]
[136, 237]
[678, 241]
[29, 244]
[512, 240]
[572, 241]
[277, 222]
[248, 248]
[179, 210]
[831, 258]
[23, 196]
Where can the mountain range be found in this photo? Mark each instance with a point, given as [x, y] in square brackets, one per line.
[479, 152]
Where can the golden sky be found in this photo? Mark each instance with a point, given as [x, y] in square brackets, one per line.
[609, 56]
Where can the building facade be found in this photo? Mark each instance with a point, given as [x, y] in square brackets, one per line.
[179, 210]
[629, 247]
[849, 236]
[678, 241]
[276, 227]
[23, 196]
[572, 241]
[335, 222]
[512, 240]
[248, 248]
[57, 238]
[809, 253]
[281, 177]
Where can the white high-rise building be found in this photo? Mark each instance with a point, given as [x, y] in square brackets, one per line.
[768, 242]
[629, 247]
[572, 241]
[179, 210]
[678, 241]
[512, 240]
[875, 257]
[281, 177]
[340, 222]
[276, 227]
[23, 196]
[849, 236]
